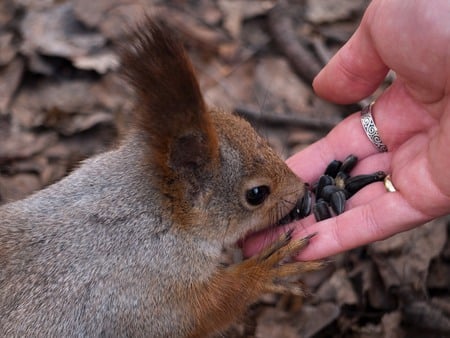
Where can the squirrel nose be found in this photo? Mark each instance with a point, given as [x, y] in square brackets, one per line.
[302, 209]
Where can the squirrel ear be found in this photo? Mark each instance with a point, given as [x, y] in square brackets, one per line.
[190, 153]
[170, 108]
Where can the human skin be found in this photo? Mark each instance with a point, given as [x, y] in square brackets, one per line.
[412, 116]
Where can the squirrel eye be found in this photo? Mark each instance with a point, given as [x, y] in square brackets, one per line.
[257, 195]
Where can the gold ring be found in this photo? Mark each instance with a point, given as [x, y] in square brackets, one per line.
[388, 184]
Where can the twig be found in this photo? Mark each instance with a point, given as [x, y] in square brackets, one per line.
[286, 120]
[282, 31]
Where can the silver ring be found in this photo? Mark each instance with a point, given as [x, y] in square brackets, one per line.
[371, 129]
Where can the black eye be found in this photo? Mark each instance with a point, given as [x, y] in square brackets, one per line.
[257, 195]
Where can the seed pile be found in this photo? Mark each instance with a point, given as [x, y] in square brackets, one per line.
[331, 191]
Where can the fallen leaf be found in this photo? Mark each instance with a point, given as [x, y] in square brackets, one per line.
[338, 289]
[10, 77]
[56, 32]
[57, 104]
[279, 88]
[17, 187]
[8, 49]
[304, 323]
[22, 145]
[7, 12]
[391, 325]
[406, 257]
[110, 17]
[102, 61]
[78, 123]
[320, 11]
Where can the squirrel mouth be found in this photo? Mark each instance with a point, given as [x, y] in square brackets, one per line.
[301, 209]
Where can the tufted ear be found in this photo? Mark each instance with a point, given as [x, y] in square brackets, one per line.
[170, 109]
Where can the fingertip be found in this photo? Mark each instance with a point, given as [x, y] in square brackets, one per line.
[354, 72]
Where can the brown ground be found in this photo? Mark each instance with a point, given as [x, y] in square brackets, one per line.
[61, 100]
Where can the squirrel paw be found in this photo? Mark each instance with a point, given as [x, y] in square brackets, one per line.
[227, 295]
[275, 270]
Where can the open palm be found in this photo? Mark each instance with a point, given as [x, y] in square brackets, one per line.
[413, 119]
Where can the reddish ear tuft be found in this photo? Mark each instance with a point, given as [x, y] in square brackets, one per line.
[170, 106]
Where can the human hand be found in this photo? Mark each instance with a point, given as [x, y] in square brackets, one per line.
[412, 117]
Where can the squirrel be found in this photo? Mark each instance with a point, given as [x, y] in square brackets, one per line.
[129, 243]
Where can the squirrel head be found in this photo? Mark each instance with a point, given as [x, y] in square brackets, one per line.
[219, 178]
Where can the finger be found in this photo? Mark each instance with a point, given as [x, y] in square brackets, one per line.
[383, 217]
[365, 195]
[348, 137]
[399, 117]
[355, 71]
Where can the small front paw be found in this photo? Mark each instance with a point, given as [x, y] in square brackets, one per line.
[279, 272]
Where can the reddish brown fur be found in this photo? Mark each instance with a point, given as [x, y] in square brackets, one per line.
[184, 147]
[170, 110]
[170, 106]
[220, 301]
[226, 296]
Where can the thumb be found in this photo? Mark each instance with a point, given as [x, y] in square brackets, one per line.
[355, 71]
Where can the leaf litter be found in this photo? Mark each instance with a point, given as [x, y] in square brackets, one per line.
[62, 100]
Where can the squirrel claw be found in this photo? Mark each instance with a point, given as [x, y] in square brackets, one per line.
[297, 289]
[284, 247]
[277, 273]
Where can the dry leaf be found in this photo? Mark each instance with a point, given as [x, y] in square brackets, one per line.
[319, 11]
[391, 325]
[7, 12]
[102, 61]
[338, 289]
[406, 257]
[56, 32]
[279, 88]
[8, 49]
[110, 17]
[10, 77]
[305, 323]
[54, 104]
[18, 186]
[22, 145]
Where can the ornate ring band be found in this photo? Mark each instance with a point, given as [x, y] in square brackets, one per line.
[370, 128]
